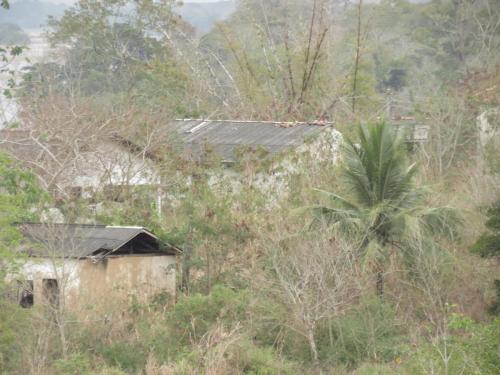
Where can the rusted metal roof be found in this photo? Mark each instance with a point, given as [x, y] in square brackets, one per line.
[81, 241]
[226, 137]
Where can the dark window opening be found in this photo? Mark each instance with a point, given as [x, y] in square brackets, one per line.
[51, 291]
[25, 294]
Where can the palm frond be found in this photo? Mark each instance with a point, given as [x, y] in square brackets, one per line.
[337, 199]
[442, 221]
[383, 207]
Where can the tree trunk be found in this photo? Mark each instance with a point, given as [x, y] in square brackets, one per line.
[186, 268]
[62, 336]
[356, 61]
[209, 278]
[380, 283]
[314, 350]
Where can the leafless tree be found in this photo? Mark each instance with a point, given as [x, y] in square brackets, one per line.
[317, 276]
[452, 132]
[69, 143]
[272, 69]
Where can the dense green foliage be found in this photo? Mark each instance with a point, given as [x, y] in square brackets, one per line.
[488, 245]
[19, 197]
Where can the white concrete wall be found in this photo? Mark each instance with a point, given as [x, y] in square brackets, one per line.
[110, 164]
[488, 124]
[65, 271]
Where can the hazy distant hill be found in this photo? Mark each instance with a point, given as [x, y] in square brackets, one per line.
[203, 15]
[30, 14]
[10, 33]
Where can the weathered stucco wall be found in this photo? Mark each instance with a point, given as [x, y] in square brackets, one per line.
[122, 277]
[85, 284]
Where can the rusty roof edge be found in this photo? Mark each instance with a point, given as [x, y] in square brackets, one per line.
[310, 123]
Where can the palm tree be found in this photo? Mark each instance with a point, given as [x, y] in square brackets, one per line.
[382, 203]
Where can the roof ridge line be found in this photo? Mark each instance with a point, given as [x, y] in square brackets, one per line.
[61, 224]
[123, 227]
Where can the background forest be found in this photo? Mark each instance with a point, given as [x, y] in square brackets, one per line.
[384, 261]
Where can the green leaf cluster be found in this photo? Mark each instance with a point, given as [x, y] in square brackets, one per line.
[488, 244]
[20, 196]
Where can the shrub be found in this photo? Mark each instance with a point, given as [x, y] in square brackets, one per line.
[472, 349]
[270, 327]
[238, 357]
[374, 369]
[253, 360]
[192, 316]
[13, 333]
[128, 357]
[488, 246]
[109, 371]
[76, 364]
[369, 331]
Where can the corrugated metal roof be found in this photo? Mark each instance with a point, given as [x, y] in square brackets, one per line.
[80, 241]
[226, 137]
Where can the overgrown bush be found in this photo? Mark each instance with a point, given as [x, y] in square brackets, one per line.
[488, 244]
[472, 348]
[270, 327]
[192, 316]
[374, 369]
[129, 357]
[368, 332]
[254, 360]
[76, 364]
[233, 356]
[13, 333]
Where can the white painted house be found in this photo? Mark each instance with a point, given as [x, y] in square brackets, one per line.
[70, 169]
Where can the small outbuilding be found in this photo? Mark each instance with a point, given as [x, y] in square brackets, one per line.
[93, 265]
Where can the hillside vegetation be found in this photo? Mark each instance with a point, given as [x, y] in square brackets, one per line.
[382, 261]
